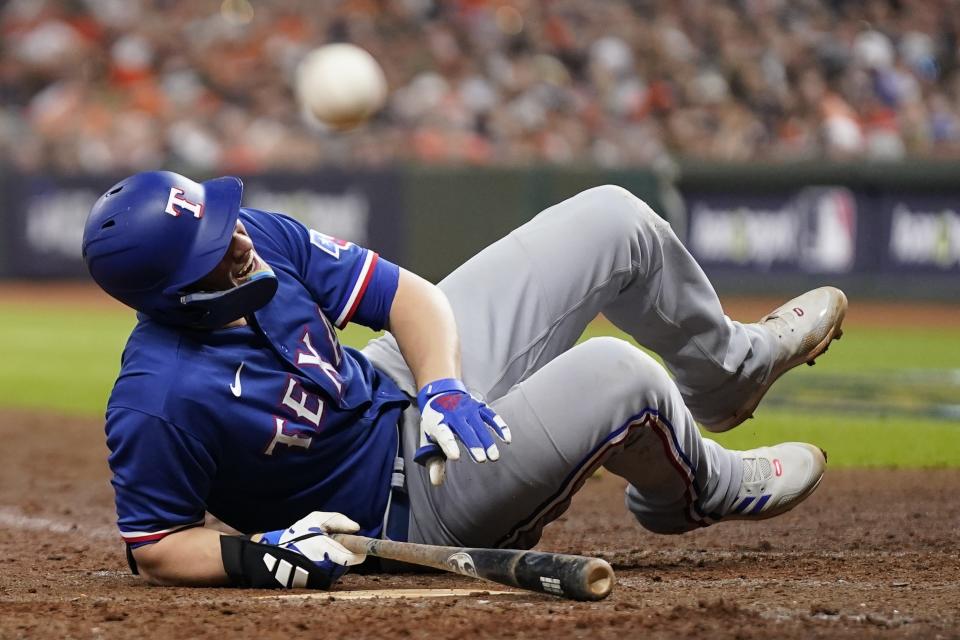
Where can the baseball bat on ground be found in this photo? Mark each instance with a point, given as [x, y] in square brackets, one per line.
[575, 577]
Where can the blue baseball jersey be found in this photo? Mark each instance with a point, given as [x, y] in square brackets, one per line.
[264, 423]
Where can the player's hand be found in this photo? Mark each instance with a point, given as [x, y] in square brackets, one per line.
[447, 414]
[308, 537]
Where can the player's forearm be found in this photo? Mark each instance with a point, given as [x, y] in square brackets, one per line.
[422, 322]
[187, 558]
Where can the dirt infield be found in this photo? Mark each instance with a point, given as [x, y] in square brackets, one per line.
[872, 553]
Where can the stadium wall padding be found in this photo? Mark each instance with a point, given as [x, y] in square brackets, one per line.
[884, 230]
[454, 213]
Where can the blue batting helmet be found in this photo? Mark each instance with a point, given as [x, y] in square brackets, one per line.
[151, 236]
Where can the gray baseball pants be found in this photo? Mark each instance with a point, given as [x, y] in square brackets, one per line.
[520, 305]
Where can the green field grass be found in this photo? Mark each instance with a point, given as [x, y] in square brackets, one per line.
[881, 397]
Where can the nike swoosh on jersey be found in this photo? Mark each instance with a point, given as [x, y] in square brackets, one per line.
[236, 389]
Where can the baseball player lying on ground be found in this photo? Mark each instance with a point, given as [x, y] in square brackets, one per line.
[236, 398]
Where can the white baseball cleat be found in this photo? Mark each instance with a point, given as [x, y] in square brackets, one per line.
[776, 479]
[803, 329]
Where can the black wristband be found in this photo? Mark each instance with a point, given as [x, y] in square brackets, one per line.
[263, 566]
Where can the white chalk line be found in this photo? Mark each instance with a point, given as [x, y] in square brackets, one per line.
[681, 556]
[15, 518]
[395, 594]
[909, 586]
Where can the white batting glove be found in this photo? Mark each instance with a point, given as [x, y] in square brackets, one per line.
[308, 536]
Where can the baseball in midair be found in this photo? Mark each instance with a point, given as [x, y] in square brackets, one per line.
[341, 85]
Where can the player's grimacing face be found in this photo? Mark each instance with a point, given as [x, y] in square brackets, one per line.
[238, 264]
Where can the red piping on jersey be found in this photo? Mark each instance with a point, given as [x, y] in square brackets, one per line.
[138, 538]
[362, 291]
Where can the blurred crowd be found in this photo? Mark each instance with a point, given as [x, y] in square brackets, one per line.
[205, 85]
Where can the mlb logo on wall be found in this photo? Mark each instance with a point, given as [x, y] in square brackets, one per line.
[812, 230]
[828, 234]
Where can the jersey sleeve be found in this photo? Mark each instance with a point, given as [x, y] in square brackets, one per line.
[349, 282]
[161, 476]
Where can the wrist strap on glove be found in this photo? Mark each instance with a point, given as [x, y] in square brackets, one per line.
[435, 388]
[262, 566]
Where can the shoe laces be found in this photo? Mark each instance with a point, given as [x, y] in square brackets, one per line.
[779, 324]
[756, 469]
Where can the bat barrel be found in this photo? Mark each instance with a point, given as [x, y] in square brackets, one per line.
[599, 579]
[575, 577]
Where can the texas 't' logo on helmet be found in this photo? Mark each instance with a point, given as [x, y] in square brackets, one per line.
[176, 199]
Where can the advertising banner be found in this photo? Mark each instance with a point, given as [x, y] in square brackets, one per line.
[44, 215]
[923, 233]
[44, 221]
[815, 230]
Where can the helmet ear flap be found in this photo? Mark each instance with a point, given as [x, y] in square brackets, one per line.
[219, 308]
